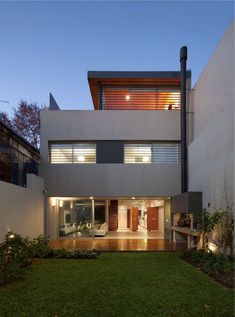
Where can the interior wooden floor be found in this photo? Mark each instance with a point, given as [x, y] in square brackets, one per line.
[117, 244]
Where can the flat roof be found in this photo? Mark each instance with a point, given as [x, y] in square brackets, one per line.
[135, 74]
[161, 78]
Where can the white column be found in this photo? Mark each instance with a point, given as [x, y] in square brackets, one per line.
[107, 211]
[92, 216]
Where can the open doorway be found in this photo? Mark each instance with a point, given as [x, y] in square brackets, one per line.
[143, 217]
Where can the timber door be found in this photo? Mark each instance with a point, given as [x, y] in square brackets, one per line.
[128, 218]
[113, 215]
[152, 218]
[134, 219]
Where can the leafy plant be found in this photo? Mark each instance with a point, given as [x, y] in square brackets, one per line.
[40, 249]
[14, 258]
[16, 254]
[226, 233]
[209, 262]
[206, 222]
[75, 254]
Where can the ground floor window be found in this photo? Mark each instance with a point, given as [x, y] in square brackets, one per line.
[75, 217]
[110, 218]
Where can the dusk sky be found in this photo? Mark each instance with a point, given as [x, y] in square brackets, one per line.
[50, 46]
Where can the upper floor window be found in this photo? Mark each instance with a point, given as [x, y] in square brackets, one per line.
[147, 153]
[139, 98]
[133, 153]
[76, 153]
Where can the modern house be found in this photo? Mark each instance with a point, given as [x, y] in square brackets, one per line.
[153, 149]
[124, 155]
[149, 138]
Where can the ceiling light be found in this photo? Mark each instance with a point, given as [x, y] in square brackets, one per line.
[127, 97]
[81, 158]
[146, 159]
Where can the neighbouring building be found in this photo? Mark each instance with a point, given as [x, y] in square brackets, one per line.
[21, 189]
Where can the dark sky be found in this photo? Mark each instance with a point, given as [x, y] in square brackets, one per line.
[50, 46]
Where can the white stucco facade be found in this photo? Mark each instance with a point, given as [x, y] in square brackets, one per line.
[211, 154]
[22, 209]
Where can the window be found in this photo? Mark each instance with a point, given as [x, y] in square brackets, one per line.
[139, 98]
[76, 153]
[138, 153]
[147, 153]
[166, 152]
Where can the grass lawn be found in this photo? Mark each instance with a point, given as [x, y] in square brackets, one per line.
[117, 284]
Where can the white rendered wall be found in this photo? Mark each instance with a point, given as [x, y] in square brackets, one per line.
[122, 217]
[22, 209]
[211, 154]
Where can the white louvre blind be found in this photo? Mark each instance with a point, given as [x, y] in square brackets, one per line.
[151, 153]
[76, 153]
[138, 153]
[166, 152]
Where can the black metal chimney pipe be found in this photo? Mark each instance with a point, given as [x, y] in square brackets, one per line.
[183, 59]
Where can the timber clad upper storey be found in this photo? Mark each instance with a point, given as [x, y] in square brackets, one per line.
[135, 90]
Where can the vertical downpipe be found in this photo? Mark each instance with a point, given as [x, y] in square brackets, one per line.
[183, 59]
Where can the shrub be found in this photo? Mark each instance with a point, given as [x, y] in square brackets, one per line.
[16, 254]
[14, 258]
[75, 254]
[209, 262]
[40, 249]
[206, 222]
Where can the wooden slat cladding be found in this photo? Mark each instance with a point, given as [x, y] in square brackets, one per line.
[139, 98]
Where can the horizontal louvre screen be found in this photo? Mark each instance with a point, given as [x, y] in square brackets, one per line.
[138, 153]
[152, 153]
[76, 153]
[166, 153]
[130, 98]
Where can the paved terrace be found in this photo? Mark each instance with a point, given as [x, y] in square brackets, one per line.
[117, 244]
